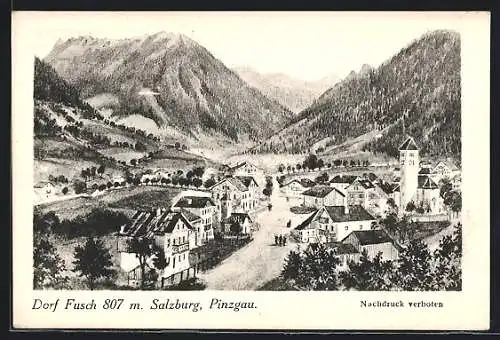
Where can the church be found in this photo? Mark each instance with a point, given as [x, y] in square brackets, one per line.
[416, 184]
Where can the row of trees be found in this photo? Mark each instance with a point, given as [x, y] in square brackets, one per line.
[312, 162]
[417, 268]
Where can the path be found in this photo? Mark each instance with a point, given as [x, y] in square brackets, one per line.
[260, 261]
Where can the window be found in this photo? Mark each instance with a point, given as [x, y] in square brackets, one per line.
[168, 242]
[402, 162]
[360, 227]
[346, 227]
[411, 162]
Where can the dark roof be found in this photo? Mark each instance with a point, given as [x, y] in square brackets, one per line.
[356, 213]
[366, 237]
[149, 223]
[238, 217]
[343, 248]
[409, 144]
[424, 171]
[425, 182]
[246, 180]
[307, 222]
[190, 216]
[348, 179]
[337, 248]
[365, 183]
[371, 176]
[194, 202]
[321, 191]
[237, 166]
[305, 182]
[234, 181]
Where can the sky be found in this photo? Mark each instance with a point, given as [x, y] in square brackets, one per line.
[303, 45]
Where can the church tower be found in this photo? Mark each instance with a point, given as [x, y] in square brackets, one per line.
[409, 162]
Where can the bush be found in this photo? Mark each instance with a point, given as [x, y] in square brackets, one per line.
[65, 190]
[79, 186]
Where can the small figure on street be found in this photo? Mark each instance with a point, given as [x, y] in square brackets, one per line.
[284, 240]
[269, 206]
[289, 224]
[280, 240]
[275, 239]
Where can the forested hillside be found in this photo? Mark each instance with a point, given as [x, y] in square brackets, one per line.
[421, 82]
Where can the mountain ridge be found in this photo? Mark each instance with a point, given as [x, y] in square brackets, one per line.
[197, 93]
[421, 81]
[293, 93]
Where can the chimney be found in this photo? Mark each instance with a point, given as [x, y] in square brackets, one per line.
[158, 211]
[122, 229]
[346, 206]
[189, 201]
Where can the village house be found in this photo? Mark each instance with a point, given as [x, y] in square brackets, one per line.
[319, 196]
[203, 207]
[341, 182]
[444, 169]
[333, 223]
[170, 230]
[242, 193]
[296, 187]
[374, 242]
[363, 192]
[242, 219]
[44, 190]
[243, 169]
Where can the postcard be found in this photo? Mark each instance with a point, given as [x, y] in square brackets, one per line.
[251, 170]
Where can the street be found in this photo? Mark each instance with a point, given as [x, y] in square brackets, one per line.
[260, 261]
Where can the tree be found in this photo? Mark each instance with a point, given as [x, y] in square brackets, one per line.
[368, 274]
[447, 259]
[84, 174]
[159, 261]
[143, 249]
[102, 187]
[197, 182]
[93, 261]
[48, 267]
[100, 170]
[445, 187]
[79, 187]
[293, 266]
[410, 206]
[319, 269]
[267, 191]
[177, 145]
[281, 168]
[133, 162]
[65, 190]
[210, 182]
[109, 185]
[414, 267]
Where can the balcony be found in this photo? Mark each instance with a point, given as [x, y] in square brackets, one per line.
[179, 248]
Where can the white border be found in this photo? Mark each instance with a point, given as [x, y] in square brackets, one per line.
[466, 310]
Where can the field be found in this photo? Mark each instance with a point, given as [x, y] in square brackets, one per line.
[147, 200]
[122, 154]
[83, 205]
[173, 159]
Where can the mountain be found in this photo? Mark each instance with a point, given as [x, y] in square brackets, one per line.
[292, 93]
[421, 82]
[169, 79]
